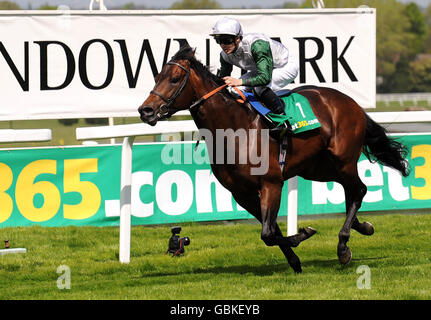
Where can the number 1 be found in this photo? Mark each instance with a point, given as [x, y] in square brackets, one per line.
[300, 108]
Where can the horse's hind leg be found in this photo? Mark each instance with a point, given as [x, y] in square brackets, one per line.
[354, 191]
[252, 204]
[270, 196]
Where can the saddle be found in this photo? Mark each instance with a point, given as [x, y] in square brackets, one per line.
[298, 113]
[262, 109]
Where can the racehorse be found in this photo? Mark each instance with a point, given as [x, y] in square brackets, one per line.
[328, 153]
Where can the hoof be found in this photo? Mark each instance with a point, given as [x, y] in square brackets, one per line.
[297, 269]
[345, 257]
[368, 229]
[308, 232]
[303, 234]
[365, 229]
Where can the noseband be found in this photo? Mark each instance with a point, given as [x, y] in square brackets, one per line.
[165, 108]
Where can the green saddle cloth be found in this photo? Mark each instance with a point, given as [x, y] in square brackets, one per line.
[298, 112]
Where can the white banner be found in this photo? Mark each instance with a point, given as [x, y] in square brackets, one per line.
[82, 64]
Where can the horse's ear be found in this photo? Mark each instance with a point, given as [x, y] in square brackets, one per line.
[194, 51]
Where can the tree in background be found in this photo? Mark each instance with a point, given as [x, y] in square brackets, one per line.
[7, 5]
[290, 5]
[427, 41]
[420, 74]
[418, 27]
[195, 4]
[128, 6]
[46, 6]
[401, 80]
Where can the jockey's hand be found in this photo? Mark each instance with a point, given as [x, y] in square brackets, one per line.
[232, 81]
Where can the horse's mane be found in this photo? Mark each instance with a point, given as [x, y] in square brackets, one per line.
[188, 53]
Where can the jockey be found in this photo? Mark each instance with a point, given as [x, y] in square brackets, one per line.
[268, 63]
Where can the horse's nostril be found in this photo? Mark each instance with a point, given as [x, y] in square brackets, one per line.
[146, 111]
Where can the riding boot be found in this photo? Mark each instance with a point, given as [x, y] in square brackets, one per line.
[276, 105]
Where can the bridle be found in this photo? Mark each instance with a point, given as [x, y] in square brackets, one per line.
[166, 109]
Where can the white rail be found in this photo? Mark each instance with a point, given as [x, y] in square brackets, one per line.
[135, 129]
[403, 97]
[25, 135]
[128, 132]
[401, 117]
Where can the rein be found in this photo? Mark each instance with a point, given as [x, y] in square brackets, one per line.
[165, 109]
[211, 93]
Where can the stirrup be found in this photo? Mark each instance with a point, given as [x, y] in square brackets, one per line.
[285, 126]
[280, 128]
[280, 131]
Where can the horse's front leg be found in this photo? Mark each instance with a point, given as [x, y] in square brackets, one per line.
[270, 197]
[251, 202]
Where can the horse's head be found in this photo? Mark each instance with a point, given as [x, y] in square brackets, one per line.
[172, 91]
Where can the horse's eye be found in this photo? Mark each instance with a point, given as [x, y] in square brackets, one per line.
[175, 79]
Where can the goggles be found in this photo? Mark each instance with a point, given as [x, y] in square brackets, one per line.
[225, 39]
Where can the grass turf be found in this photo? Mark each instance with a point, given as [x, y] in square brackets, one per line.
[222, 262]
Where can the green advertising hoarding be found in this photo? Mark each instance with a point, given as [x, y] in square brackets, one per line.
[172, 183]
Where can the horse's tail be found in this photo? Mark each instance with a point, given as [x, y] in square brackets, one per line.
[379, 147]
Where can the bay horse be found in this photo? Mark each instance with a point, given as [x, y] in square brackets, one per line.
[328, 153]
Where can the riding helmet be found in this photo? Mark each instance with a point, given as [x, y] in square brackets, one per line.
[227, 25]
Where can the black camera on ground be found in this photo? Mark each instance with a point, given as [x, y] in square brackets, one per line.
[176, 243]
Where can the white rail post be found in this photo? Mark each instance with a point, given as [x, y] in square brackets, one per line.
[126, 199]
[318, 4]
[101, 5]
[292, 206]
[111, 123]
